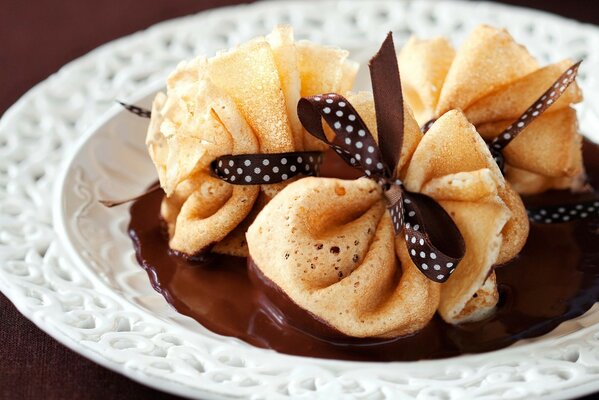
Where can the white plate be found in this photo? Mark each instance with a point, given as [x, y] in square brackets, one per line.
[72, 271]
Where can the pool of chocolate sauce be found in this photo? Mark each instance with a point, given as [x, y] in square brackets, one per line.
[555, 278]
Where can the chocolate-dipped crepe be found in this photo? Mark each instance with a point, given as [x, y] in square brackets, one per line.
[338, 265]
[238, 102]
[494, 80]
[330, 245]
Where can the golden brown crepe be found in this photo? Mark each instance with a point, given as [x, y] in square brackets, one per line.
[239, 102]
[329, 244]
[494, 80]
[453, 165]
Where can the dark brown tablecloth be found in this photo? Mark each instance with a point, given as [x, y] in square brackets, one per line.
[36, 38]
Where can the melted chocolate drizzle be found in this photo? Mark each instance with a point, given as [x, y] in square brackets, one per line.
[555, 278]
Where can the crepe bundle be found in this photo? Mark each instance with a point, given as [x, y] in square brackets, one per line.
[493, 80]
[239, 102]
[329, 245]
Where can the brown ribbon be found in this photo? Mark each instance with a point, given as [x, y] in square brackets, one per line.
[433, 240]
[244, 169]
[262, 169]
[556, 213]
[139, 111]
[541, 105]
[559, 213]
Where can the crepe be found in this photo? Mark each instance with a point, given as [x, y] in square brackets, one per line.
[453, 165]
[494, 80]
[242, 101]
[329, 244]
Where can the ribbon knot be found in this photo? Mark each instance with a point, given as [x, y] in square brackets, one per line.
[433, 240]
[394, 196]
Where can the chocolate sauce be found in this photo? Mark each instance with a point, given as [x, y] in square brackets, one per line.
[555, 278]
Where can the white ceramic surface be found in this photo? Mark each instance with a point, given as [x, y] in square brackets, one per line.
[70, 268]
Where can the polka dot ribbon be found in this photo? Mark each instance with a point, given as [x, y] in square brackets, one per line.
[564, 212]
[557, 213]
[546, 100]
[140, 112]
[252, 169]
[434, 243]
[259, 169]
[539, 106]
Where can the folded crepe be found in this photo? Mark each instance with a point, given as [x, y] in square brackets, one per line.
[328, 245]
[452, 164]
[242, 101]
[494, 80]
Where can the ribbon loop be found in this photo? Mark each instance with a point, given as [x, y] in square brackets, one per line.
[435, 243]
[352, 141]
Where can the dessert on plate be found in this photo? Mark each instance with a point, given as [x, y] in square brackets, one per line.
[299, 215]
[354, 287]
[494, 80]
[241, 101]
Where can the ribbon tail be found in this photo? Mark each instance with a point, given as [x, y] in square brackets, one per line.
[139, 111]
[388, 102]
[353, 140]
[114, 203]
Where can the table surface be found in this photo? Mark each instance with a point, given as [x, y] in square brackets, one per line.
[56, 372]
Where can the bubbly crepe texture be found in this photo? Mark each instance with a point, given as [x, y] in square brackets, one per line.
[329, 244]
[241, 101]
[494, 80]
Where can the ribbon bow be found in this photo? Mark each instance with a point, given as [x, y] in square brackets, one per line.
[434, 242]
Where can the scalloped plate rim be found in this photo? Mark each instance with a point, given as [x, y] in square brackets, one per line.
[172, 386]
